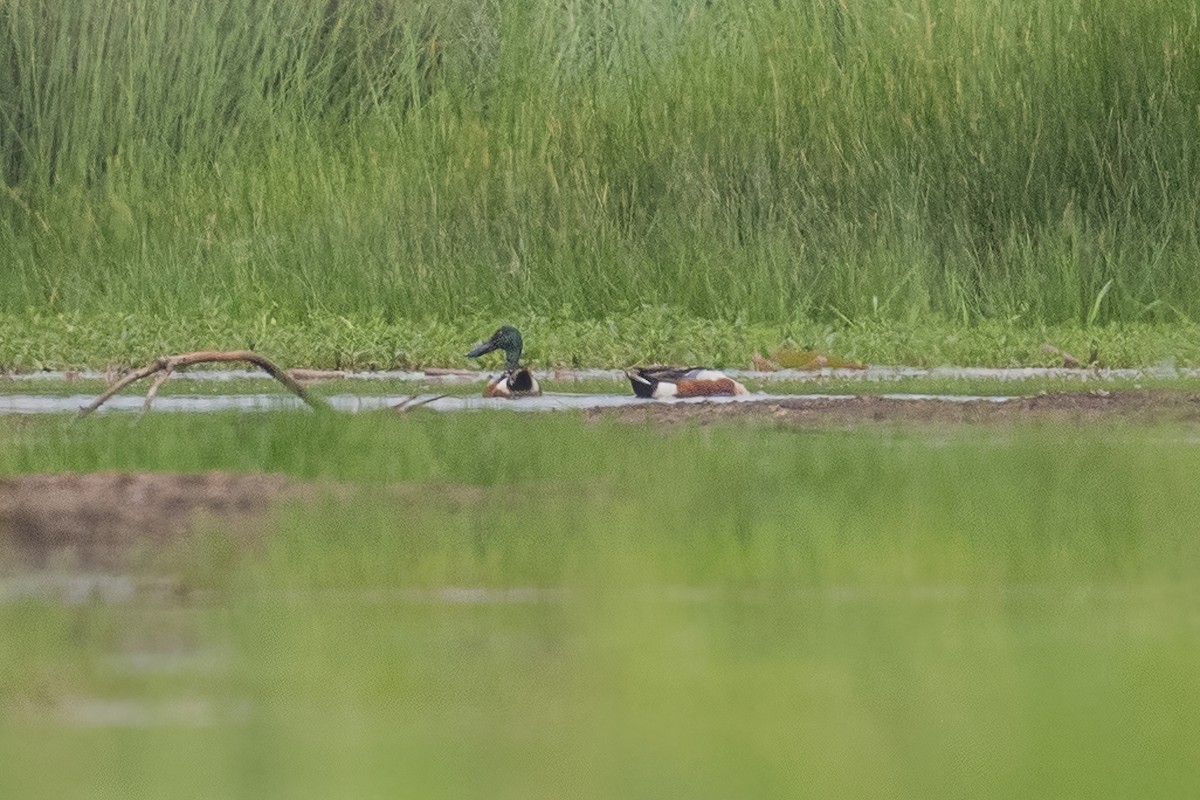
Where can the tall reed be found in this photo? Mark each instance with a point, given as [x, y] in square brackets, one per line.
[1033, 161]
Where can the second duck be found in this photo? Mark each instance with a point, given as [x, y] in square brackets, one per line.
[662, 382]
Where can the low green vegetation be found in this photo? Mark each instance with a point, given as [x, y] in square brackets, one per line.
[328, 178]
[653, 335]
[558, 607]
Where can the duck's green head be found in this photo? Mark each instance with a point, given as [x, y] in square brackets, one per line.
[506, 338]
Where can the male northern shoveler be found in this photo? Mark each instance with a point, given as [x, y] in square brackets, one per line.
[515, 381]
[660, 382]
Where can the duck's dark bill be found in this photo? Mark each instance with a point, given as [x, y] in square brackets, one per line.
[486, 347]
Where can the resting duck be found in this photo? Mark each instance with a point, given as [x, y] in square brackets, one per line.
[660, 382]
[515, 381]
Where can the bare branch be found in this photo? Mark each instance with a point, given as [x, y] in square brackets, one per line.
[411, 402]
[151, 368]
[159, 380]
[165, 365]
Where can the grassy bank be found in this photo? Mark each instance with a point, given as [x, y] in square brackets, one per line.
[99, 340]
[714, 613]
[796, 163]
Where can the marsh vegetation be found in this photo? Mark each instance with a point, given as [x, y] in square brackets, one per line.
[636, 604]
[291, 173]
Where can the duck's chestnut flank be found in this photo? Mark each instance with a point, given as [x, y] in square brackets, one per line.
[663, 382]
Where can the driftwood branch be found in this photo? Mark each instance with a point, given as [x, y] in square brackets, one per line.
[159, 380]
[163, 366]
[411, 402]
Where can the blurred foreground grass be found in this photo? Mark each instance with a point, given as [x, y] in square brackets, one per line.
[564, 608]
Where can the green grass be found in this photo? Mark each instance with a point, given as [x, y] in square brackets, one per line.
[728, 611]
[653, 335]
[397, 165]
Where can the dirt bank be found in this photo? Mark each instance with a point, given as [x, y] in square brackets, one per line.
[116, 520]
[99, 520]
[1140, 407]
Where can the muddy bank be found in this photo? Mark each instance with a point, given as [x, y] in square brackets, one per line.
[101, 520]
[1141, 407]
[119, 520]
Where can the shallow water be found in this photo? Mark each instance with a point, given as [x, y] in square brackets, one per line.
[41, 400]
[564, 401]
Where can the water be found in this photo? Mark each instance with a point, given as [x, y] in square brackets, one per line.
[558, 401]
[350, 403]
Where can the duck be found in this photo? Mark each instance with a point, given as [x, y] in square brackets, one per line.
[515, 381]
[661, 382]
